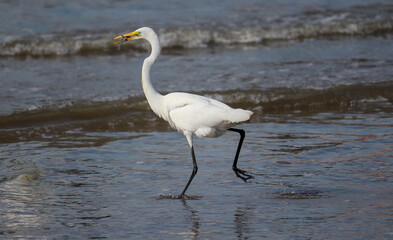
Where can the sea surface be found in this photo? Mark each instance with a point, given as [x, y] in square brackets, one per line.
[82, 156]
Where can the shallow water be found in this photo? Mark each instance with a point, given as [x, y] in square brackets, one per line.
[310, 173]
[83, 157]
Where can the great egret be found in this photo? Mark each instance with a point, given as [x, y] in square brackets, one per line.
[185, 112]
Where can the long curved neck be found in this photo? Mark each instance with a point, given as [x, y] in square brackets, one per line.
[153, 97]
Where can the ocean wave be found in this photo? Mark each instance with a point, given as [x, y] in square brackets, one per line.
[61, 44]
[136, 111]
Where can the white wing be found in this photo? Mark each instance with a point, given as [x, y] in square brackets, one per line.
[203, 116]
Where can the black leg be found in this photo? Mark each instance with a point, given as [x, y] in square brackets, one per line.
[194, 172]
[239, 173]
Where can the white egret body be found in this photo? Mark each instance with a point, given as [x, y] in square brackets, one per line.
[188, 113]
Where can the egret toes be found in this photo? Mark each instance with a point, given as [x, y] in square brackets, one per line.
[242, 174]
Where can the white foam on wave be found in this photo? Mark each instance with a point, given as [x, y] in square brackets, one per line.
[59, 45]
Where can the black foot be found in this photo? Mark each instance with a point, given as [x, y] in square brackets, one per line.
[181, 196]
[242, 174]
[185, 197]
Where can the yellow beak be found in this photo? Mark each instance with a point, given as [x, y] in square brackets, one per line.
[127, 37]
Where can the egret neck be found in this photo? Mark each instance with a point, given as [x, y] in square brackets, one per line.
[153, 97]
